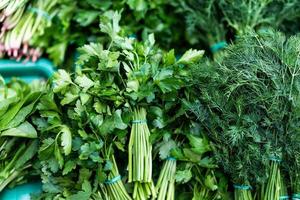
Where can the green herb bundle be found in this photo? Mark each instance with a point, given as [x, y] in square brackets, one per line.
[140, 157]
[249, 15]
[93, 114]
[204, 24]
[23, 21]
[77, 23]
[114, 185]
[249, 124]
[166, 182]
[18, 143]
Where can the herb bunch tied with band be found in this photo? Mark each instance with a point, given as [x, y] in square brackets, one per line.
[99, 120]
[251, 97]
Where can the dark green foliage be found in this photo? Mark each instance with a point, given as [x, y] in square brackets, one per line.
[252, 99]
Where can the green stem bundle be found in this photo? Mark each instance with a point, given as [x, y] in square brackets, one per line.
[140, 156]
[25, 21]
[274, 184]
[115, 187]
[166, 182]
[144, 191]
[242, 192]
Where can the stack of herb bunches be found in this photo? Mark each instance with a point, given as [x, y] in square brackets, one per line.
[125, 94]
[256, 137]
[21, 21]
[18, 143]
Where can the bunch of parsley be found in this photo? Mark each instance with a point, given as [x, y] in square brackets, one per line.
[86, 120]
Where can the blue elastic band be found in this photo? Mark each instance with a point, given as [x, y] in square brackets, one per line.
[295, 198]
[113, 180]
[242, 187]
[284, 197]
[275, 159]
[218, 46]
[132, 36]
[40, 12]
[296, 195]
[170, 158]
[139, 121]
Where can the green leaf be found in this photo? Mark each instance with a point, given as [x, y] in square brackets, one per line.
[97, 120]
[69, 98]
[165, 149]
[110, 24]
[23, 130]
[200, 145]
[86, 17]
[10, 114]
[47, 102]
[66, 139]
[86, 186]
[183, 176]
[191, 56]
[210, 182]
[118, 122]
[58, 156]
[47, 148]
[89, 51]
[191, 155]
[61, 80]
[5, 103]
[30, 151]
[207, 162]
[108, 166]
[169, 58]
[119, 145]
[21, 115]
[138, 5]
[84, 82]
[177, 153]
[69, 166]
[151, 39]
[163, 74]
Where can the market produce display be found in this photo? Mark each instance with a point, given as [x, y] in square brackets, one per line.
[107, 129]
[31, 27]
[164, 99]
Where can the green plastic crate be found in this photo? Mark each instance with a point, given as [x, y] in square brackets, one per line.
[29, 71]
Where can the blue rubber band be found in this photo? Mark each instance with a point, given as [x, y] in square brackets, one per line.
[133, 36]
[40, 12]
[295, 198]
[171, 158]
[113, 180]
[218, 46]
[275, 159]
[139, 121]
[242, 187]
[284, 197]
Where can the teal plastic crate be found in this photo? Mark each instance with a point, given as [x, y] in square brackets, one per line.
[21, 192]
[29, 71]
